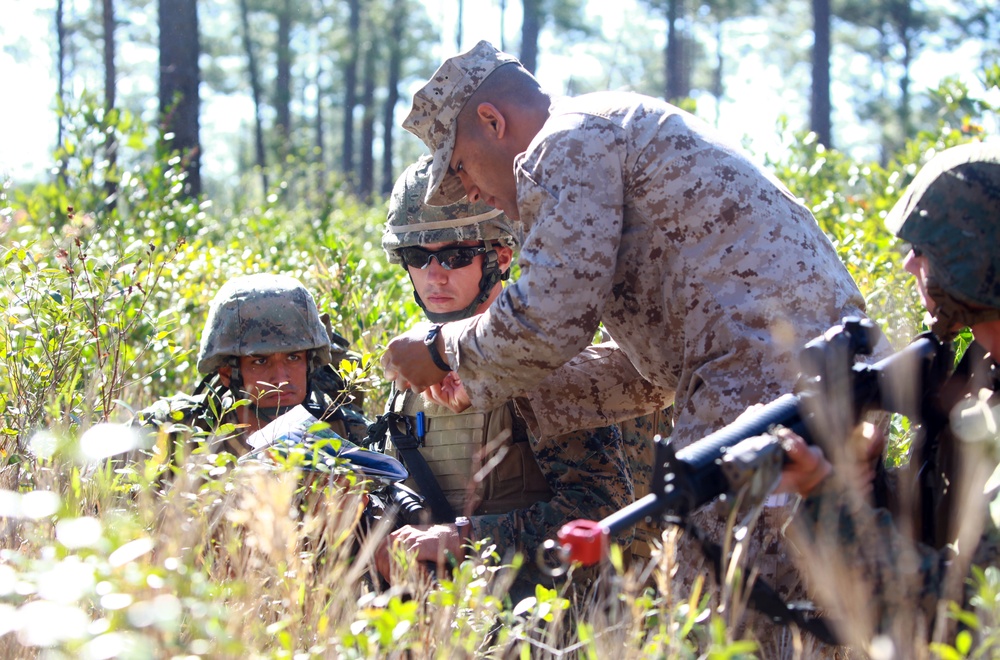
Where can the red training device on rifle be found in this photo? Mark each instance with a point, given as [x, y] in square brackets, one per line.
[584, 541]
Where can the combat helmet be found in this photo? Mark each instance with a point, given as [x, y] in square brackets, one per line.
[951, 214]
[411, 222]
[259, 315]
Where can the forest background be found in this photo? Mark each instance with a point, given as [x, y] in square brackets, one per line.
[113, 247]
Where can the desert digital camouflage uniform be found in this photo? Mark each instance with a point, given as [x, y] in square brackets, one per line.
[706, 271]
[905, 565]
[534, 485]
[260, 314]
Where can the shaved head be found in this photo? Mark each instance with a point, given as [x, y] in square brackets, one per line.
[510, 86]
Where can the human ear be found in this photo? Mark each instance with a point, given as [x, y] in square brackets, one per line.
[490, 116]
[226, 375]
[505, 257]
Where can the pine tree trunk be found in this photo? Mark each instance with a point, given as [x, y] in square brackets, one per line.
[319, 147]
[503, 16]
[351, 90]
[675, 64]
[531, 26]
[180, 103]
[60, 79]
[819, 119]
[367, 174]
[283, 79]
[255, 91]
[110, 141]
[396, 22]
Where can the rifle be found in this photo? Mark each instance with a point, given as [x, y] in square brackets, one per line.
[734, 457]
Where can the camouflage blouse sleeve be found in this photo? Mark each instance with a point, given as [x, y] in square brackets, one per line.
[597, 387]
[902, 577]
[588, 474]
[567, 266]
[180, 409]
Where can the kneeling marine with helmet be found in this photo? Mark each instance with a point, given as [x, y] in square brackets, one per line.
[481, 473]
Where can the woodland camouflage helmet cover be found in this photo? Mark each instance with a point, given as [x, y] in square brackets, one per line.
[412, 222]
[262, 314]
[951, 212]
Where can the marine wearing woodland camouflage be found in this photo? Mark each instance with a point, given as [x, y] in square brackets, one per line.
[260, 314]
[637, 440]
[530, 487]
[942, 213]
[948, 497]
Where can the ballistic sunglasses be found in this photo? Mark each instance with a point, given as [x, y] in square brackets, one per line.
[450, 258]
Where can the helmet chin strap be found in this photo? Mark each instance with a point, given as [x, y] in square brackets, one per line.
[491, 275]
[269, 414]
[952, 314]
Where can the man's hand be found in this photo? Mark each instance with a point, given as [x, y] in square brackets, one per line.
[430, 542]
[805, 465]
[449, 393]
[407, 362]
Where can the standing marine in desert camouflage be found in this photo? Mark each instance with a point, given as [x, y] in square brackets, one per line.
[706, 271]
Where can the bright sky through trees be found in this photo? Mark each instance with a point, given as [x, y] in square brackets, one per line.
[755, 95]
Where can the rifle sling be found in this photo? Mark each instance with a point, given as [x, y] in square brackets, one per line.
[400, 432]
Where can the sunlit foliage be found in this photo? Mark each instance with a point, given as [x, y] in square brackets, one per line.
[104, 292]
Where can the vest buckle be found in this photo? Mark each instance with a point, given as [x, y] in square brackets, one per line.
[401, 431]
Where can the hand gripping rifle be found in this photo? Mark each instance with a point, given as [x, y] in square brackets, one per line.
[832, 395]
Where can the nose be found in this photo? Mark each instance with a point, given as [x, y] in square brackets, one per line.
[281, 375]
[435, 271]
[472, 191]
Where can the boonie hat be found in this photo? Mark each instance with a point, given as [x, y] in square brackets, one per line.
[435, 111]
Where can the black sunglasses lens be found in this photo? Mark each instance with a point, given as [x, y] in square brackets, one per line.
[454, 258]
[449, 258]
[415, 257]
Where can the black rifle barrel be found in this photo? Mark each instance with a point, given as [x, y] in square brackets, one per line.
[693, 477]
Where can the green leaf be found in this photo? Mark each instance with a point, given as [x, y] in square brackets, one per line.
[318, 426]
[944, 651]
[963, 642]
